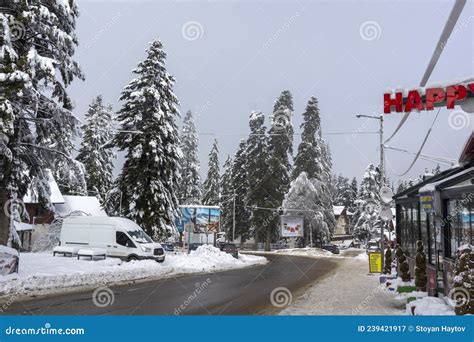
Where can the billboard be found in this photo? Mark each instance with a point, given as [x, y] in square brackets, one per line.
[198, 219]
[291, 226]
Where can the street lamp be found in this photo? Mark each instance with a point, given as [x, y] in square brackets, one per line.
[382, 174]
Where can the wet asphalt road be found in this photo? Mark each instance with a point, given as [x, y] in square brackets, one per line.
[237, 292]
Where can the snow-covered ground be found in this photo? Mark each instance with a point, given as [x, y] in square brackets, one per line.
[430, 306]
[318, 253]
[347, 290]
[41, 273]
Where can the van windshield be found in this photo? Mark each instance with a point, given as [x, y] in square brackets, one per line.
[134, 230]
[139, 236]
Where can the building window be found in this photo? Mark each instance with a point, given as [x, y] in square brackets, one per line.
[460, 222]
[409, 229]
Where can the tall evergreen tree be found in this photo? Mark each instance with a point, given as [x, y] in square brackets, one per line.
[344, 194]
[212, 191]
[94, 153]
[280, 148]
[37, 42]
[258, 175]
[353, 196]
[240, 188]
[149, 135]
[227, 194]
[308, 158]
[314, 158]
[367, 219]
[189, 188]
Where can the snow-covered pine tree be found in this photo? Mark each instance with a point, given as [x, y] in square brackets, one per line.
[227, 194]
[314, 158]
[149, 135]
[344, 194]
[189, 188]
[37, 42]
[240, 187]
[367, 219]
[304, 200]
[96, 156]
[280, 148]
[258, 176]
[211, 195]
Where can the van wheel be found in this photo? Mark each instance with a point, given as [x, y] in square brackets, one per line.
[132, 257]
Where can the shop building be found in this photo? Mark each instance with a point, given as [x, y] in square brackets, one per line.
[440, 212]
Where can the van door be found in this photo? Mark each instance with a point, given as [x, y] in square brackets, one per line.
[123, 246]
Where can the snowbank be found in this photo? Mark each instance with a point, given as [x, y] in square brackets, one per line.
[317, 253]
[41, 273]
[429, 306]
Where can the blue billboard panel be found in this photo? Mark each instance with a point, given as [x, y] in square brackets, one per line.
[198, 219]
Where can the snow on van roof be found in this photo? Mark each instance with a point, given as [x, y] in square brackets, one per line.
[87, 204]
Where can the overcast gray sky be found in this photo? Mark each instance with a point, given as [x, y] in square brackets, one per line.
[232, 57]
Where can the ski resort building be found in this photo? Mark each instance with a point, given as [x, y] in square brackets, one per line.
[439, 211]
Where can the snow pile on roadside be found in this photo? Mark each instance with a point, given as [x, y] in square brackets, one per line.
[317, 253]
[43, 273]
[208, 259]
[429, 306]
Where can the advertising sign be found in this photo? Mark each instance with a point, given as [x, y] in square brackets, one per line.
[427, 202]
[199, 219]
[375, 262]
[291, 226]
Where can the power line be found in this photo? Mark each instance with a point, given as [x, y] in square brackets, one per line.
[443, 39]
[425, 156]
[421, 147]
[276, 134]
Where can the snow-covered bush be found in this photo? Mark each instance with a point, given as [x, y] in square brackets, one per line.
[421, 278]
[403, 268]
[463, 286]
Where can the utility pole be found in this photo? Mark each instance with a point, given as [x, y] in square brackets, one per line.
[233, 218]
[382, 183]
[382, 178]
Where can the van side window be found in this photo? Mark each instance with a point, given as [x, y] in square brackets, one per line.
[122, 239]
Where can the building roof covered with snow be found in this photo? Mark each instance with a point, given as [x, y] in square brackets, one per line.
[87, 204]
[56, 196]
[338, 209]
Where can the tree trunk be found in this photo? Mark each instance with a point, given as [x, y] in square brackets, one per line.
[268, 239]
[4, 197]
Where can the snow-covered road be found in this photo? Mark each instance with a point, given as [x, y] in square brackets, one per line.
[348, 290]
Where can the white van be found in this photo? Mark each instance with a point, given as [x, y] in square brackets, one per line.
[121, 237]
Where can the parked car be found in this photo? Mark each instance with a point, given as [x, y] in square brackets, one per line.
[230, 248]
[193, 246]
[120, 237]
[167, 246]
[331, 248]
[372, 246]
